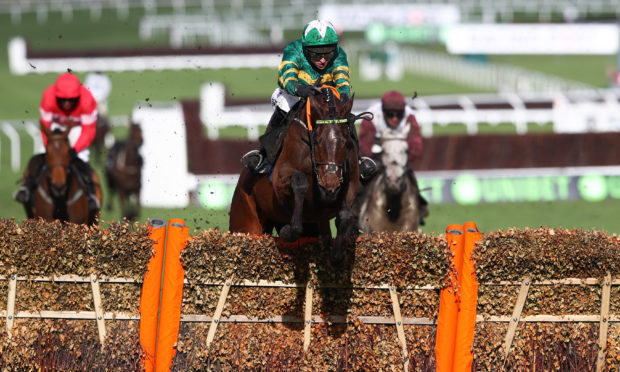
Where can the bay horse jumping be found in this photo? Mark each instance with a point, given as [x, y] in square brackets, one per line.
[314, 179]
[60, 194]
[123, 172]
[390, 201]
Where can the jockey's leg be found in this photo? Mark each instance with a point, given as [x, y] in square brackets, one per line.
[422, 202]
[85, 176]
[257, 161]
[367, 166]
[30, 180]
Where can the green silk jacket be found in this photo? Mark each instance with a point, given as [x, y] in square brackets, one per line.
[296, 69]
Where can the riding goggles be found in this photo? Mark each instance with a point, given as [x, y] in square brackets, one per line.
[317, 53]
[393, 113]
[73, 101]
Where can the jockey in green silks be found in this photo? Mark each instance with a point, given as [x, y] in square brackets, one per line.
[316, 55]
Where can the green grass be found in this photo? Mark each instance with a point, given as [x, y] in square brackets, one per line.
[576, 214]
[589, 69]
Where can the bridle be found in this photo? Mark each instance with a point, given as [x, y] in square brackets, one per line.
[330, 166]
[50, 198]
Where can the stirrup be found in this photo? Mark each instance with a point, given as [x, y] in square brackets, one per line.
[368, 167]
[258, 167]
[22, 194]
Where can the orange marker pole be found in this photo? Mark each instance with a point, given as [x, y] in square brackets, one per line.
[449, 305]
[172, 295]
[466, 323]
[150, 293]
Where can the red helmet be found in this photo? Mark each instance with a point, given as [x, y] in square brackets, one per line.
[393, 100]
[67, 86]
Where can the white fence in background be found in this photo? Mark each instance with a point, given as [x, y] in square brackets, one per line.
[21, 64]
[471, 10]
[574, 112]
[490, 76]
[600, 107]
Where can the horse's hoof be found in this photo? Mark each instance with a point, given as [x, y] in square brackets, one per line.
[287, 234]
[22, 195]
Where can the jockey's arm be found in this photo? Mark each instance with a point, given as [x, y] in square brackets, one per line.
[86, 137]
[48, 125]
[414, 140]
[340, 73]
[288, 70]
[367, 137]
[46, 115]
[88, 121]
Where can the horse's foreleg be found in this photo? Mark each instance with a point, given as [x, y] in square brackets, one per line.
[138, 205]
[243, 211]
[123, 201]
[299, 185]
[325, 234]
[346, 222]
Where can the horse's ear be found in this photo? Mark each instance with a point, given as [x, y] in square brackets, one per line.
[349, 103]
[70, 126]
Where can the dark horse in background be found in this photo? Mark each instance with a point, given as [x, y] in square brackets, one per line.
[103, 131]
[389, 201]
[60, 195]
[314, 179]
[123, 172]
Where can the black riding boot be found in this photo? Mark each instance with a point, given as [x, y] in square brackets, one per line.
[367, 166]
[85, 176]
[257, 161]
[29, 183]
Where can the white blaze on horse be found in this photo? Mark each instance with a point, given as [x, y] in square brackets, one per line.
[390, 201]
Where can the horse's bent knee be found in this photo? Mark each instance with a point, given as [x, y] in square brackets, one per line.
[346, 216]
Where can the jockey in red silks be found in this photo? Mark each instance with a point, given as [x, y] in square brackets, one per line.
[316, 55]
[393, 119]
[62, 103]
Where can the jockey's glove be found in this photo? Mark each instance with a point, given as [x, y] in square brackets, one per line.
[302, 90]
[72, 154]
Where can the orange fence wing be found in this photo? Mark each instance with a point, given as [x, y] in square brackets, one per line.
[150, 294]
[172, 295]
[449, 305]
[466, 322]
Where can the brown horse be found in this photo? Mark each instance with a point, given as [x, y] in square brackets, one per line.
[60, 195]
[123, 172]
[314, 179]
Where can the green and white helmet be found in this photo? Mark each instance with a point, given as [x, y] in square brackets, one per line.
[319, 33]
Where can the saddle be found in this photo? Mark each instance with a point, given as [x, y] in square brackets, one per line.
[272, 140]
